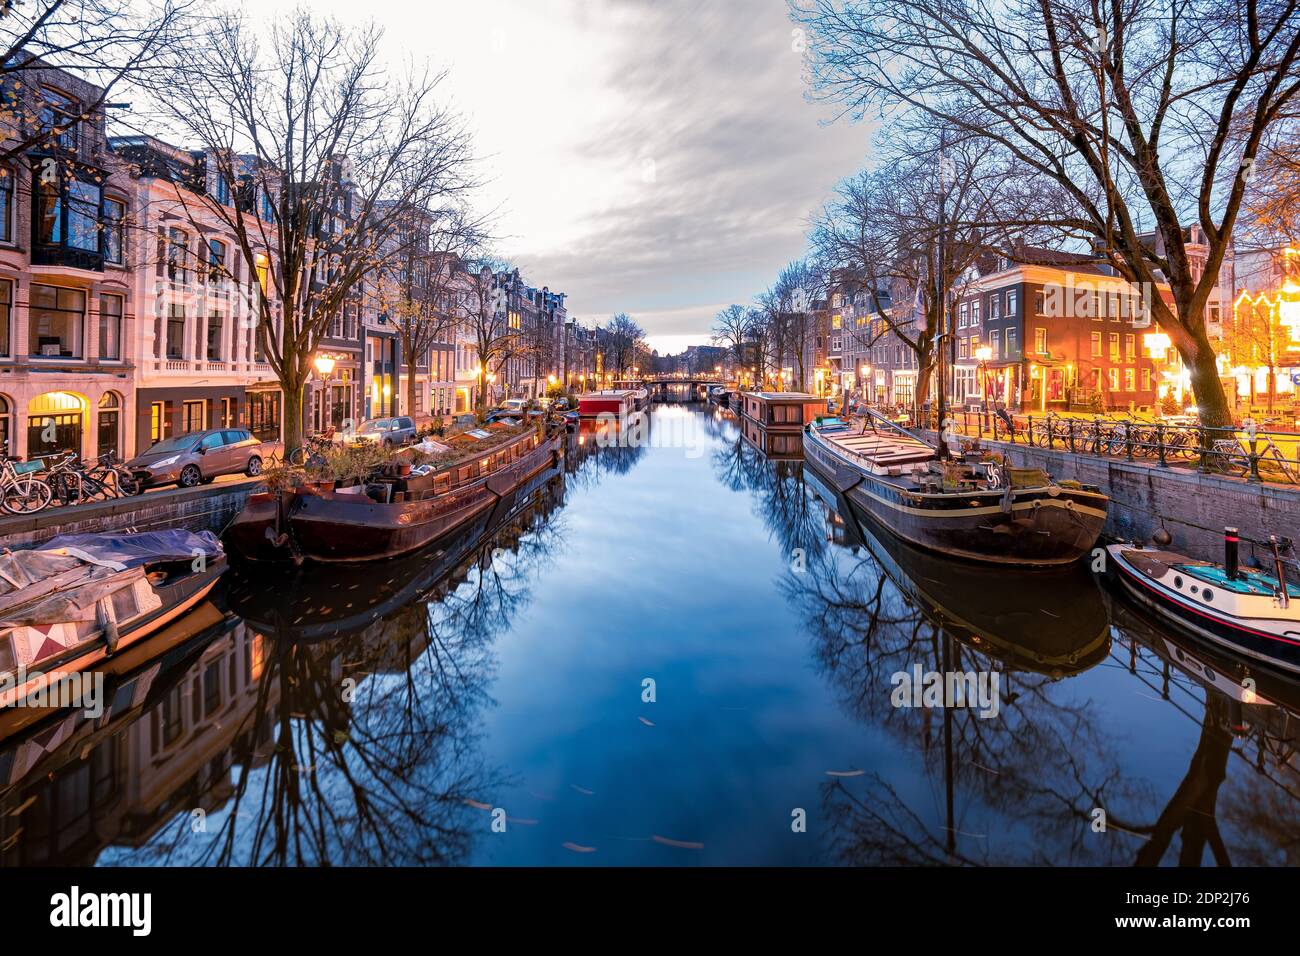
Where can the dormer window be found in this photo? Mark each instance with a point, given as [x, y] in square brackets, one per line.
[58, 116]
[222, 192]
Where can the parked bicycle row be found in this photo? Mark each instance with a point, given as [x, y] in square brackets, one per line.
[1248, 452]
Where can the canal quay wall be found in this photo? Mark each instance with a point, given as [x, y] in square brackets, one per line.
[1193, 507]
[208, 508]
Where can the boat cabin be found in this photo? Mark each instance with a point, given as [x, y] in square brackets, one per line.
[782, 411]
[617, 401]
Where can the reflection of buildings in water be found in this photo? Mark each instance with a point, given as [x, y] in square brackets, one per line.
[80, 785]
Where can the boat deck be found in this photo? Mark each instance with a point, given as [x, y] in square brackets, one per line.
[885, 454]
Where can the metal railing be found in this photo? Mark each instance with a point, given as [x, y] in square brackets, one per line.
[1249, 452]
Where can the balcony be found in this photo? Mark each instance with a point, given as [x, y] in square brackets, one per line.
[67, 257]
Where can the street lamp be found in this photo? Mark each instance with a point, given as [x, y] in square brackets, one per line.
[983, 354]
[324, 363]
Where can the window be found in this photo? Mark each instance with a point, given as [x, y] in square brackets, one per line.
[57, 321]
[176, 330]
[1114, 346]
[6, 204]
[215, 324]
[49, 213]
[110, 326]
[1040, 341]
[263, 271]
[157, 420]
[222, 190]
[1146, 380]
[963, 347]
[975, 312]
[1011, 303]
[1129, 376]
[995, 303]
[216, 260]
[114, 218]
[1011, 343]
[268, 209]
[83, 215]
[176, 243]
[961, 316]
[1112, 375]
[1130, 347]
[193, 417]
[1095, 342]
[58, 116]
[227, 412]
[6, 313]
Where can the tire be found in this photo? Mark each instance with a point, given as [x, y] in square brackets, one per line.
[254, 467]
[298, 456]
[127, 484]
[207, 481]
[26, 496]
[190, 477]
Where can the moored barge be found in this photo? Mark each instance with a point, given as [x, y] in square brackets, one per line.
[391, 516]
[773, 422]
[970, 508]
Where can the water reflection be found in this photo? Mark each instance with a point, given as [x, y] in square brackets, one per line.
[377, 715]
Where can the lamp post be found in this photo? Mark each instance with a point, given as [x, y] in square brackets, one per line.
[324, 363]
[983, 354]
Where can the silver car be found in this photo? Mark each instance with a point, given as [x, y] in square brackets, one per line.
[198, 457]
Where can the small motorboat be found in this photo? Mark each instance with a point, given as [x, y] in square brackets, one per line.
[967, 506]
[75, 600]
[1247, 611]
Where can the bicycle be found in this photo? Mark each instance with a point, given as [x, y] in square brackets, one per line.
[1234, 455]
[312, 453]
[21, 491]
[72, 483]
[108, 470]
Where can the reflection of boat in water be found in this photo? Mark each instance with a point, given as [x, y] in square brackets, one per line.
[133, 681]
[80, 600]
[1241, 609]
[967, 508]
[1054, 623]
[315, 603]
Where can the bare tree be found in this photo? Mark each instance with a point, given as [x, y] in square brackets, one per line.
[625, 343]
[108, 43]
[417, 286]
[1133, 119]
[483, 315]
[317, 145]
[731, 328]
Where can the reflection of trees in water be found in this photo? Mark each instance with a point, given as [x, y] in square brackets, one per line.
[371, 753]
[596, 452]
[1019, 788]
[1040, 765]
[789, 512]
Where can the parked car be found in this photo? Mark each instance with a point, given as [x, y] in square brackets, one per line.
[388, 432]
[198, 457]
[517, 405]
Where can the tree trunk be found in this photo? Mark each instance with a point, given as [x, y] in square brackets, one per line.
[1211, 400]
[293, 408]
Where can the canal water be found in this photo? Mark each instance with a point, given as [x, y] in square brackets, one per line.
[675, 652]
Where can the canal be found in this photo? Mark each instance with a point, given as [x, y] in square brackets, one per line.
[676, 652]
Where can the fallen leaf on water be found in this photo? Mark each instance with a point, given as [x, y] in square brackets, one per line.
[582, 790]
[578, 848]
[478, 806]
[684, 844]
[845, 773]
[648, 723]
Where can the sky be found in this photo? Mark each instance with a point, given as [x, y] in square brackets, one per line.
[655, 158]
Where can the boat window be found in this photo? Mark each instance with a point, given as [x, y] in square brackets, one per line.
[124, 604]
[1207, 594]
[1178, 581]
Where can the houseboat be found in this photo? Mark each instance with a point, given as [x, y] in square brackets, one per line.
[619, 402]
[773, 421]
[387, 515]
[77, 600]
[1249, 612]
[969, 507]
